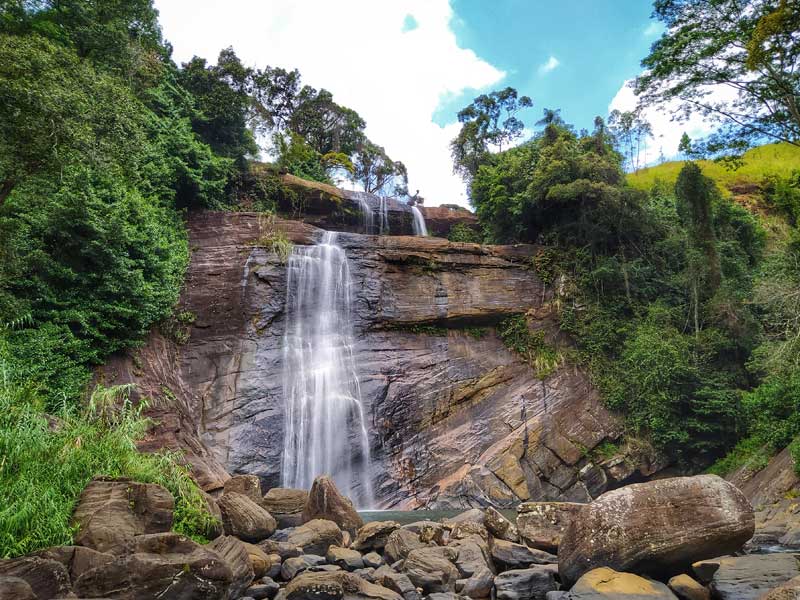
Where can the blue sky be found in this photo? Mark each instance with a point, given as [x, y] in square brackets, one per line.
[408, 66]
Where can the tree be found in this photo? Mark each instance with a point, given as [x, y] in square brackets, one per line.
[631, 131]
[685, 145]
[325, 125]
[377, 173]
[749, 48]
[488, 122]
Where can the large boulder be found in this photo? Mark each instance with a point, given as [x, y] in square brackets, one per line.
[473, 555]
[499, 526]
[607, 584]
[14, 588]
[400, 543]
[542, 524]
[247, 485]
[750, 577]
[657, 528]
[259, 560]
[286, 505]
[397, 582]
[347, 559]
[479, 585]
[243, 518]
[428, 531]
[525, 584]
[292, 566]
[162, 565]
[432, 569]
[326, 502]
[374, 535]
[47, 578]
[316, 536]
[787, 591]
[334, 585]
[76, 559]
[111, 512]
[234, 552]
[508, 555]
[686, 588]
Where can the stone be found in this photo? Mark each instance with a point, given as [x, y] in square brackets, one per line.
[259, 560]
[467, 529]
[787, 591]
[247, 485]
[541, 525]
[76, 559]
[400, 543]
[749, 577]
[214, 529]
[14, 588]
[111, 512]
[374, 535]
[161, 565]
[444, 596]
[557, 596]
[473, 556]
[284, 550]
[657, 528]
[428, 531]
[704, 570]
[373, 559]
[478, 586]
[347, 559]
[607, 584]
[432, 569]
[286, 505]
[398, 582]
[326, 502]
[275, 566]
[473, 515]
[235, 554]
[316, 536]
[243, 518]
[265, 590]
[292, 566]
[334, 585]
[508, 555]
[499, 526]
[686, 588]
[525, 584]
[47, 578]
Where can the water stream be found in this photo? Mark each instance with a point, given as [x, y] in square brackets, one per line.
[325, 425]
[419, 222]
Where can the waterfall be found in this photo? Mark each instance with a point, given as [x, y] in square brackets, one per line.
[419, 222]
[384, 220]
[325, 425]
[368, 218]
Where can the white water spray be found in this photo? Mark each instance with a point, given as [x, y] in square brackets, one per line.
[419, 222]
[325, 425]
[368, 217]
[384, 217]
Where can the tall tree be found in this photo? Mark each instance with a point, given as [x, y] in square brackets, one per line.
[631, 131]
[749, 48]
[377, 173]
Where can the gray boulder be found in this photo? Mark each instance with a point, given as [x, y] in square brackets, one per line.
[243, 518]
[292, 566]
[335, 585]
[432, 569]
[14, 588]
[526, 584]
[478, 586]
[499, 526]
[47, 578]
[316, 536]
[542, 524]
[400, 543]
[373, 559]
[347, 559]
[508, 555]
[750, 577]
[234, 552]
[398, 582]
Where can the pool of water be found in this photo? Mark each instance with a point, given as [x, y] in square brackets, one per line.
[409, 516]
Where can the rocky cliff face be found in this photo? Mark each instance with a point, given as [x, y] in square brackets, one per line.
[455, 418]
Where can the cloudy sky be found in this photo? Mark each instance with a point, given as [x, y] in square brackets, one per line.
[409, 66]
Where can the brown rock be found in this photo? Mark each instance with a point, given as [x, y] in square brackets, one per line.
[286, 505]
[788, 591]
[374, 535]
[526, 584]
[347, 559]
[657, 528]
[45, 577]
[76, 559]
[473, 556]
[499, 526]
[236, 555]
[478, 586]
[259, 560]
[247, 485]
[398, 582]
[432, 569]
[316, 536]
[686, 588]
[111, 512]
[508, 555]
[428, 531]
[325, 502]
[162, 565]
[334, 585]
[400, 543]
[14, 588]
[243, 518]
[542, 524]
[749, 577]
[607, 584]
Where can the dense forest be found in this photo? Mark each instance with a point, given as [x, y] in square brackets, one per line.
[682, 301]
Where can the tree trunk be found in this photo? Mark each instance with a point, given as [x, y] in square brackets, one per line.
[5, 190]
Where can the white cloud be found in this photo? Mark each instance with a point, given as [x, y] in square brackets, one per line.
[653, 29]
[358, 50]
[549, 65]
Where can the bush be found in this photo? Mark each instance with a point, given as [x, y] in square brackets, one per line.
[530, 345]
[464, 233]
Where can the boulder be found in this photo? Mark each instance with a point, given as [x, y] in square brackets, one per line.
[235, 554]
[473, 556]
[247, 485]
[508, 555]
[162, 565]
[542, 524]
[292, 566]
[750, 577]
[428, 531]
[347, 559]
[467, 529]
[111, 512]
[658, 528]
[432, 569]
[525, 584]
[335, 585]
[326, 502]
[259, 560]
[243, 518]
[14, 588]
[374, 535]
[373, 559]
[398, 582]
[266, 589]
[283, 549]
[478, 586]
[607, 584]
[45, 577]
[686, 588]
[787, 591]
[76, 559]
[316, 536]
[473, 515]
[400, 543]
[286, 505]
[215, 528]
[499, 526]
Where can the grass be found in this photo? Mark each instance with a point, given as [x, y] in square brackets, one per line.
[771, 159]
[45, 463]
[543, 358]
[273, 238]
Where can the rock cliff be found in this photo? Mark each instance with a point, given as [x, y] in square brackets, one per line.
[455, 418]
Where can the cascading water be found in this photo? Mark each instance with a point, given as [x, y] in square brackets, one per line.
[367, 215]
[325, 425]
[384, 217]
[419, 222]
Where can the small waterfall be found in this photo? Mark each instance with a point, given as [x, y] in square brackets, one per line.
[368, 217]
[384, 220]
[325, 425]
[419, 222]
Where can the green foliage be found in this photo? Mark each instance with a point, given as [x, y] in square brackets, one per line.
[300, 159]
[47, 463]
[461, 232]
[377, 173]
[517, 335]
[274, 239]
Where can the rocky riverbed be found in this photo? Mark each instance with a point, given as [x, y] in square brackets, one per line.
[679, 538]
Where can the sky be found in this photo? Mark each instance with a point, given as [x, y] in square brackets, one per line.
[407, 67]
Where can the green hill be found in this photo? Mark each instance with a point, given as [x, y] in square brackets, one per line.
[772, 159]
